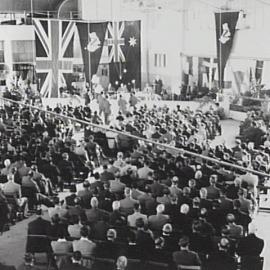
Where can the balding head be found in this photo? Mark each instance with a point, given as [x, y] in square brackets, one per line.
[160, 208]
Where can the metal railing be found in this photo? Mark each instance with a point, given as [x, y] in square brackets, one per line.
[180, 150]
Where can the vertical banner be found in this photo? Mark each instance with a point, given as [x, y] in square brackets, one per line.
[92, 37]
[225, 29]
[123, 40]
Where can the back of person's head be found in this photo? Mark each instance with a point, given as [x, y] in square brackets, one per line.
[96, 175]
[160, 208]
[224, 244]
[105, 167]
[121, 263]
[39, 212]
[111, 234]
[29, 259]
[115, 205]
[184, 209]
[75, 219]
[84, 231]
[230, 218]
[127, 192]
[137, 207]
[236, 204]
[237, 181]
[203, 193]
[186, 191]
[7, 162]
[86, 184]
[76, 257]
[213, 179]
[196, 201]
[184, 241]
[139, 223]
[241, 192]
[167, 229]
[55, 219]
[94, 202]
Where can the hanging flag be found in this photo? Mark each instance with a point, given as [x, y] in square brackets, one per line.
[123, 41]
[206, 72]
[225, 30]
[54, 55]
[92, 36]
[259, 71]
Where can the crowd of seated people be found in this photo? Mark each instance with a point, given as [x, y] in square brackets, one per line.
[146, 202]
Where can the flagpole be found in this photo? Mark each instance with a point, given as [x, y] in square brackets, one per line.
[89, 57]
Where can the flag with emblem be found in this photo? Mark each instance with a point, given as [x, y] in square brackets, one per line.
[225, 30]
[92, 36]
[123, 44]
[54, 55]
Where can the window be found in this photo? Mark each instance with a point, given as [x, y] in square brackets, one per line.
[23, 51]
[160, 60]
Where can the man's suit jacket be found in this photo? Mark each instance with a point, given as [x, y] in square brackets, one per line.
[235, 231]
[61, 246]
[95, 214]
[106, 176]
[156, 222]
[250, 245]
[127, 205]
[11, 188]
[186, 257]
[132, 219]
[221, 260]
[212, 193]
[86, 247]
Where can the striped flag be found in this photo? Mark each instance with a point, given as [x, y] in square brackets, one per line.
[54, 55]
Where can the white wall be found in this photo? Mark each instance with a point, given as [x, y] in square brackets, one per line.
[17, 32]
[188, 27]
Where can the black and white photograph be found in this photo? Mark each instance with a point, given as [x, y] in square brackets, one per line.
[134, 134]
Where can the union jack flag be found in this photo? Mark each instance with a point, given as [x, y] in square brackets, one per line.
[114, 40]
[54, 54]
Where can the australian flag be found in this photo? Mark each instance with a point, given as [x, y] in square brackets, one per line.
[123, 48]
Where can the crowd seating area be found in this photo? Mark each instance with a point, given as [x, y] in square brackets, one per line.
[141, 205]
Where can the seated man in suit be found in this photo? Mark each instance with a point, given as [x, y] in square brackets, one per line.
[95, 213]
[221, 259]
[109, 248]
[84, 245]
[13, 189]
[235, 231]
[137, 214]
[184, 256]
[127, 204]
[61, 246]
[250, 248]
[156, 222]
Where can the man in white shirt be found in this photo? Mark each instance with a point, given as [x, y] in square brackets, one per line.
[136, 215]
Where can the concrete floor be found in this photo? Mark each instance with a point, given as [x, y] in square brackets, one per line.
[12, 243]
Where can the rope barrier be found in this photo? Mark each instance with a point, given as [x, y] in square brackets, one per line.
[180, 150]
